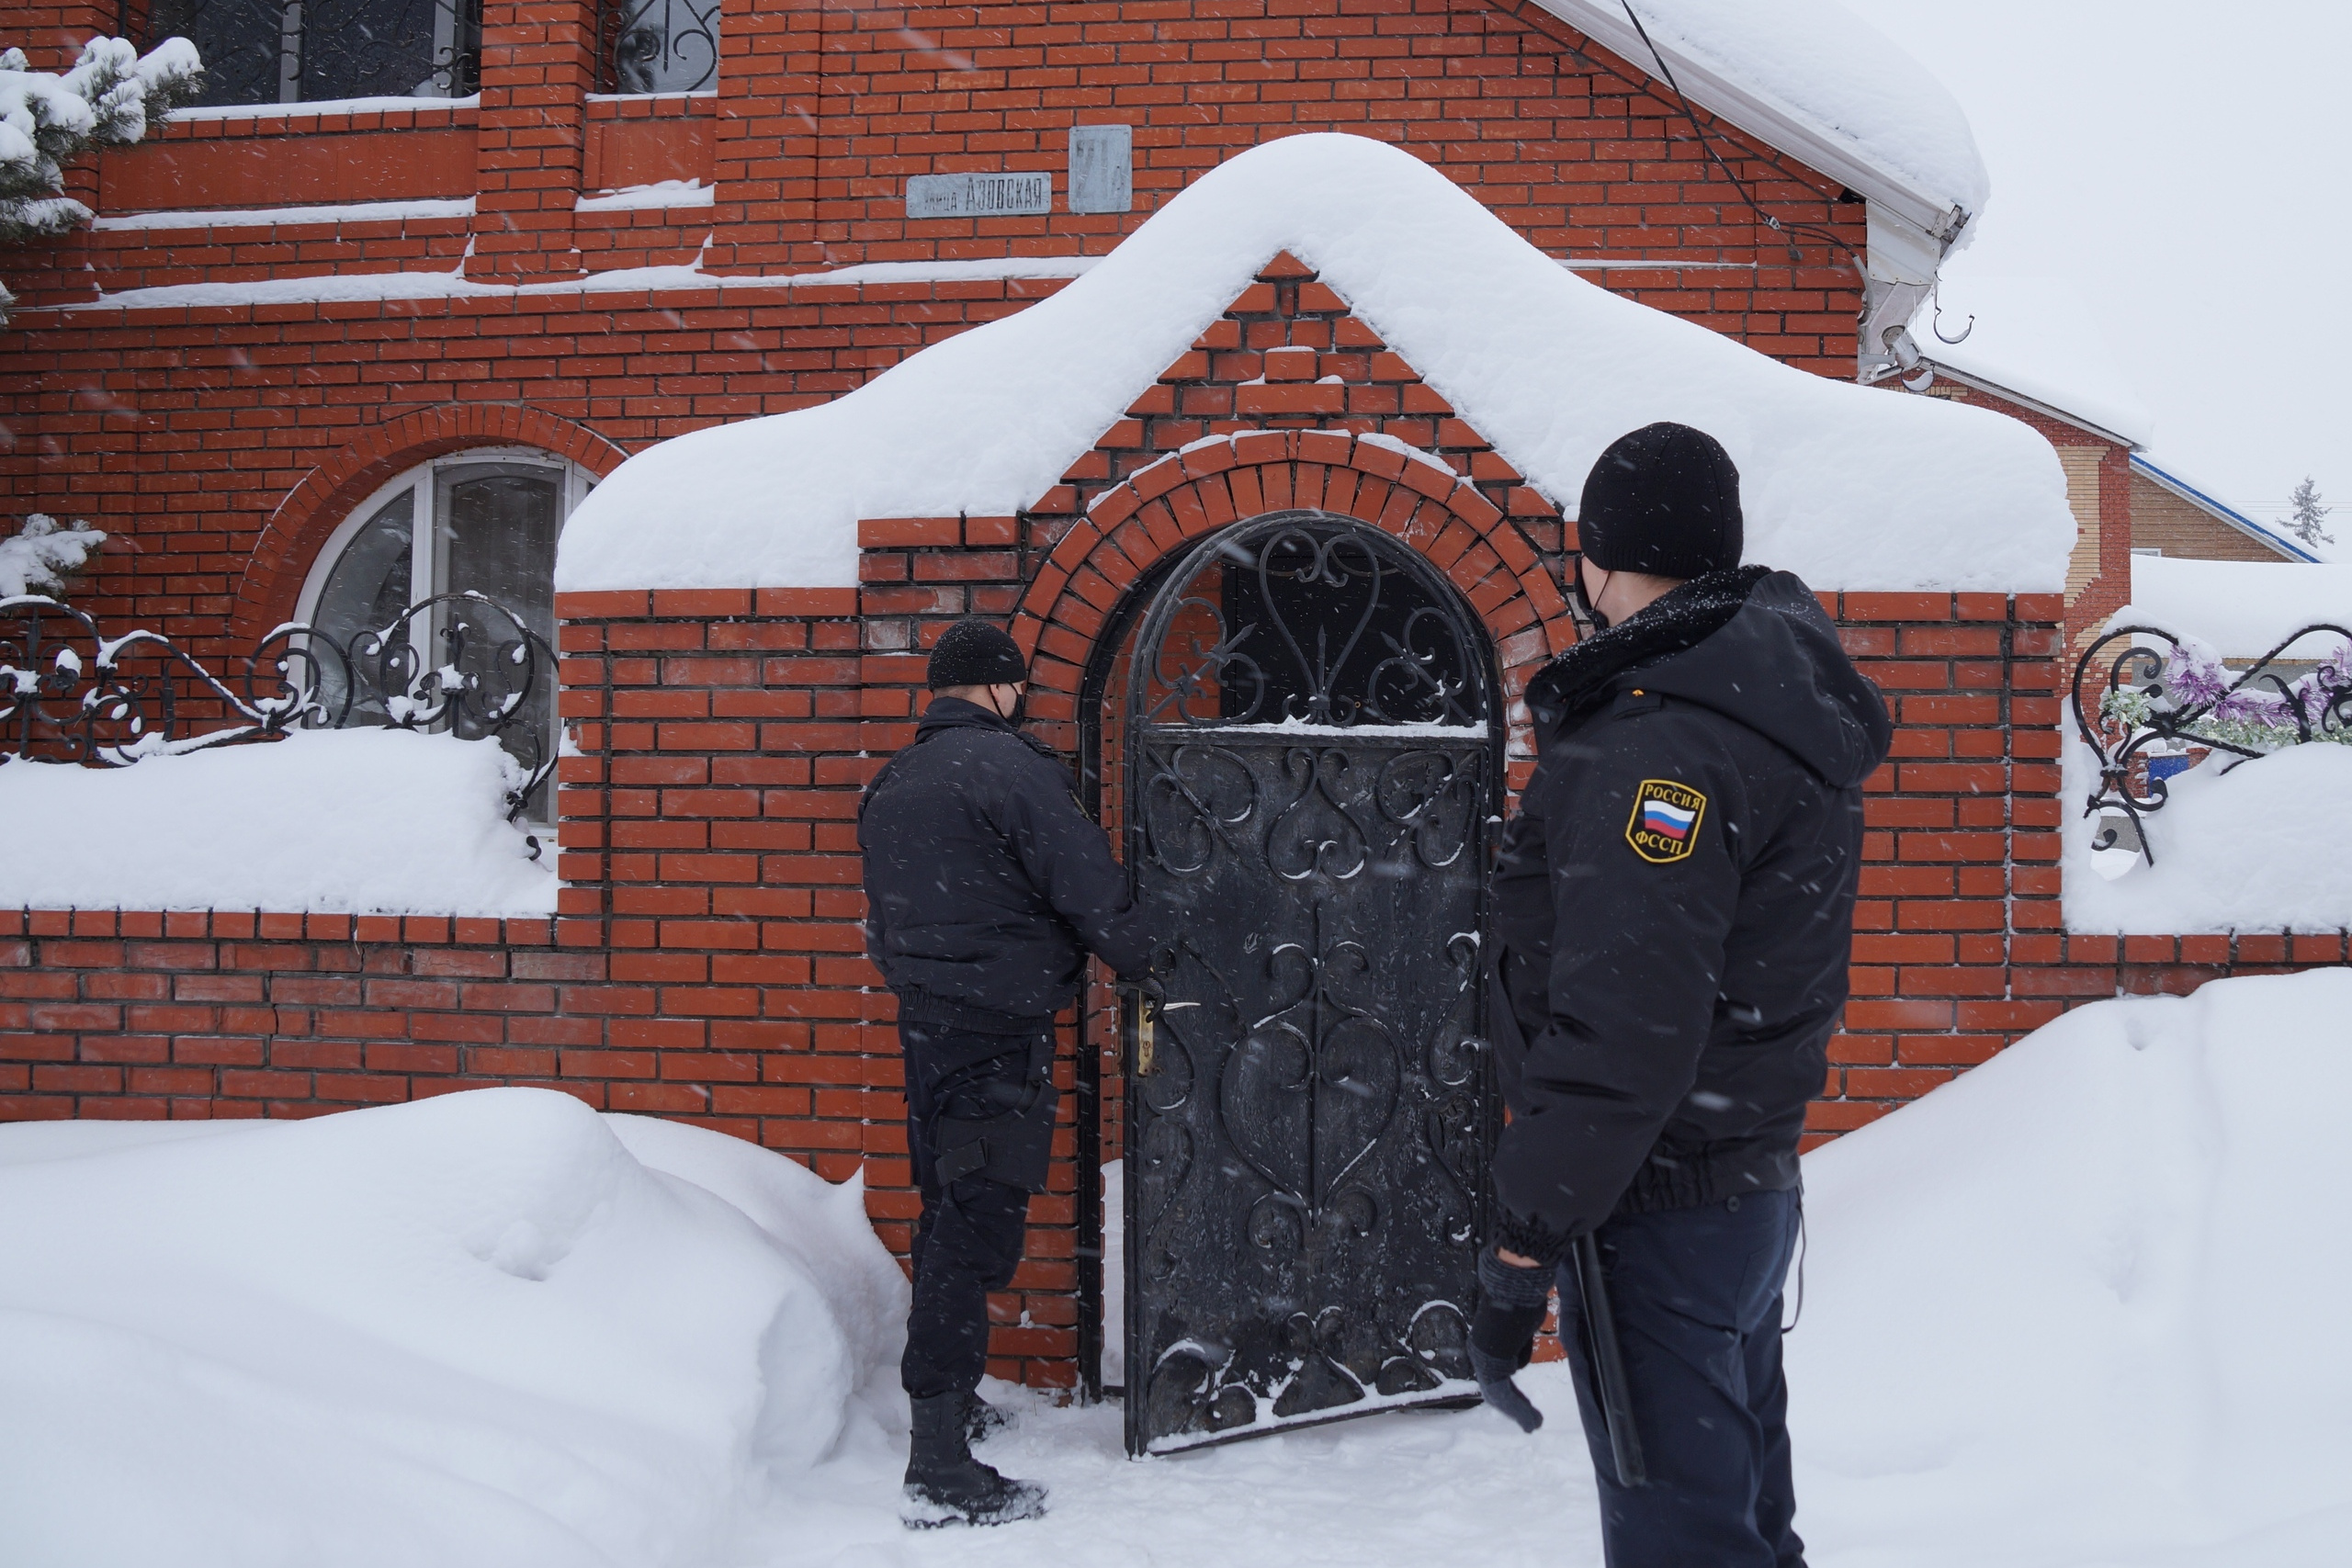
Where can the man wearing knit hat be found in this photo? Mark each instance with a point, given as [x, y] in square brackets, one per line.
[1673, 918]
[985, 885]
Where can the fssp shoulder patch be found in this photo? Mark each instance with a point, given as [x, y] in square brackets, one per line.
[1665, 824]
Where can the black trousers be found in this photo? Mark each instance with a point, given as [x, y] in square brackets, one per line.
[968, 1239]
[1697, 1298]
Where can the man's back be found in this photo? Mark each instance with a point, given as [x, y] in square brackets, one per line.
[1678, 893]
[985, 883]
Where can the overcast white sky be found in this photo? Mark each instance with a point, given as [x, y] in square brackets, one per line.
[2186, 167]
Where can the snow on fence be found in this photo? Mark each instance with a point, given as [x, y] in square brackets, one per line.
[2249, 761]
[280, 787]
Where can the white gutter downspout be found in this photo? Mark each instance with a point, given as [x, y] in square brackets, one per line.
[1910, 231]
[1899, 275]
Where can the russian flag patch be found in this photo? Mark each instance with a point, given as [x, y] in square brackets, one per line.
[1664, 824]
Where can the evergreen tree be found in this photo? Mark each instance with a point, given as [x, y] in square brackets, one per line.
[2309, 513]
[107, 100]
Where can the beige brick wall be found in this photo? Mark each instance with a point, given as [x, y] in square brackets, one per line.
[2162, 520]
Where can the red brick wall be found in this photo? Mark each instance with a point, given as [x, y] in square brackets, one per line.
[146, 1015]
[220, 445]
[707, 961]
[194, 435]
[820, 113]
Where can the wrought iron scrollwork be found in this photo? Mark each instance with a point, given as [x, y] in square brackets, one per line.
[1311, 763]
[70, 693]
[267, 52]
[1328, 641]
[657, 46]
[1195, 803]
[2142, 697]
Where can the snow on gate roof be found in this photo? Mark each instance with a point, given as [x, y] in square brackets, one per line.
[1849, 487]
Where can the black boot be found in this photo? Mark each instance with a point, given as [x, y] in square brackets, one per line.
[947, 1485]
[982, 1420]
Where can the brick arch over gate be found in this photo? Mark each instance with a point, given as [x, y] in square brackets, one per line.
[1162, 509]
[311, 512]
[1289, 400]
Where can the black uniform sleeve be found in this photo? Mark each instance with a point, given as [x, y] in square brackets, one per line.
[1641, 916]
[1068, 860]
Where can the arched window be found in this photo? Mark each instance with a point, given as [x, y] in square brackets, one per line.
[483, 522]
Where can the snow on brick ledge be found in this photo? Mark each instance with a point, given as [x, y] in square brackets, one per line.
[1850, 488]
[2261, 847]
[346, 821]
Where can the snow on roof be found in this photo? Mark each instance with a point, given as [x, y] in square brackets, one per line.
[1849, 487]
[1813, 79]
[2038, 338]
[2245, 608]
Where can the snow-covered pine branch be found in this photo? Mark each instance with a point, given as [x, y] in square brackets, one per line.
[109, 99]
[39, 560]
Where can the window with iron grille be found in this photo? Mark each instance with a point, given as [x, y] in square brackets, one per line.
[481, 522]
[657, 46]
[286, 51]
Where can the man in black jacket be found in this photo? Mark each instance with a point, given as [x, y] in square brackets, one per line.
[1674, 916]
[986, 887]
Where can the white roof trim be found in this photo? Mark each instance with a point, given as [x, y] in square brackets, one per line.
[1761, 115]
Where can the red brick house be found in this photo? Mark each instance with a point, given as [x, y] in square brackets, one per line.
[306, 337]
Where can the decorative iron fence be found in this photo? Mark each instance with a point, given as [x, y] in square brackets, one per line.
[70, 694]
[2148, 703]
[657, 46]
[273, 52]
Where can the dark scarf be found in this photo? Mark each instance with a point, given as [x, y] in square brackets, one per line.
[1581, 679]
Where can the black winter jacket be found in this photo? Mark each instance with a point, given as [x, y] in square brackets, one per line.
[1674, 905]
[985, 883]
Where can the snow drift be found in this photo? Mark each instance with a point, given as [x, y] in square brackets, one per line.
[2085, 1305]
[2078, 1309]
[329, 821]
[1849, 487]
[2257, 847]
[492, 1328]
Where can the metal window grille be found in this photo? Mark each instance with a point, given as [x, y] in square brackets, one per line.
[657, 46]
[285, 52]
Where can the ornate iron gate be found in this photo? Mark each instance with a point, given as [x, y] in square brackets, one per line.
[1312, 771]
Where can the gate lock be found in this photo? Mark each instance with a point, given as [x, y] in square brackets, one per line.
[1147, 1014]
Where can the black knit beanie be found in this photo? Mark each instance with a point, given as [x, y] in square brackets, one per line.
[974, 653]
[1665, 501]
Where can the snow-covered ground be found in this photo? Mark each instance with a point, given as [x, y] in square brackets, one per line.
[2081, 1308]
[324, 821]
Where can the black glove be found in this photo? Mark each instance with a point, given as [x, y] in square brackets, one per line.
[1148, 992]
[1511, 1304]
[1529, 1238]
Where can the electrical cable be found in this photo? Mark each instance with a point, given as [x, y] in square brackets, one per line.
[1830, 237]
